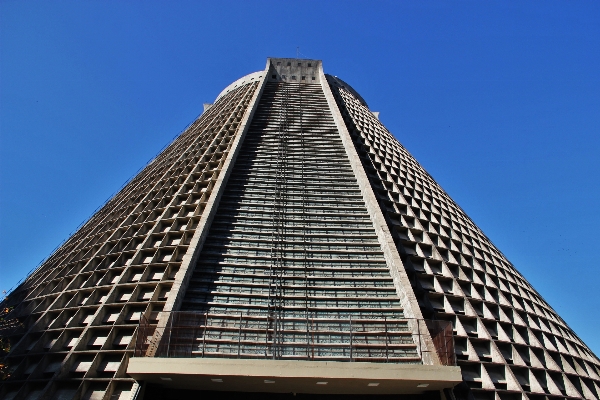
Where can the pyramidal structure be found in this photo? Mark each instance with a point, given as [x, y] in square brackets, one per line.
[285, 244]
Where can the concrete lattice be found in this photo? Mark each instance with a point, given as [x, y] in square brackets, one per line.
[508, 339]
[80, 309]
[285, 203]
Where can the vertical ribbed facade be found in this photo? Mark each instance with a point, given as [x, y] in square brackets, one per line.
[292, 249]
[286, 225]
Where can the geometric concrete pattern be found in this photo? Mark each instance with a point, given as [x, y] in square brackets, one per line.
[508, 340]
[80, 309]
[286, 225]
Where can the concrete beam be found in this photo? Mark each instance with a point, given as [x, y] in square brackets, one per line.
[285, 376]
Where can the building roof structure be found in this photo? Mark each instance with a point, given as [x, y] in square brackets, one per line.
[286, 242]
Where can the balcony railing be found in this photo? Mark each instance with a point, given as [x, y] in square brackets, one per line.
[196, 334]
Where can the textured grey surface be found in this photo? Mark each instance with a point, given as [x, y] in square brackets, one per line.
[80, 309]
[508, 339]
[403, 246]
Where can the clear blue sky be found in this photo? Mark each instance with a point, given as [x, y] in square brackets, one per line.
[499, 100]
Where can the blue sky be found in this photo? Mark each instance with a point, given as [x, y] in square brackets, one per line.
[498, 100]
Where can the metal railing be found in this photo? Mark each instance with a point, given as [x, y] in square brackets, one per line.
[356, 338]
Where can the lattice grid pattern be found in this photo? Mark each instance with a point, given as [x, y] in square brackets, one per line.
[81, 307]
[509, 341]
[291, 255]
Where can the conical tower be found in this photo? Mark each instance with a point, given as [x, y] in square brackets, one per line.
[286, 243]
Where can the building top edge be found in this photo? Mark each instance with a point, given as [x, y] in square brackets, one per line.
[275, 60]
[244, 80]
[272, 63]
[337, 81]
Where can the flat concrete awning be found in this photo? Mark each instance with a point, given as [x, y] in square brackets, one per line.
[292, 376]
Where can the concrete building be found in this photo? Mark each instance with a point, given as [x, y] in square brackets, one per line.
[286, 244]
